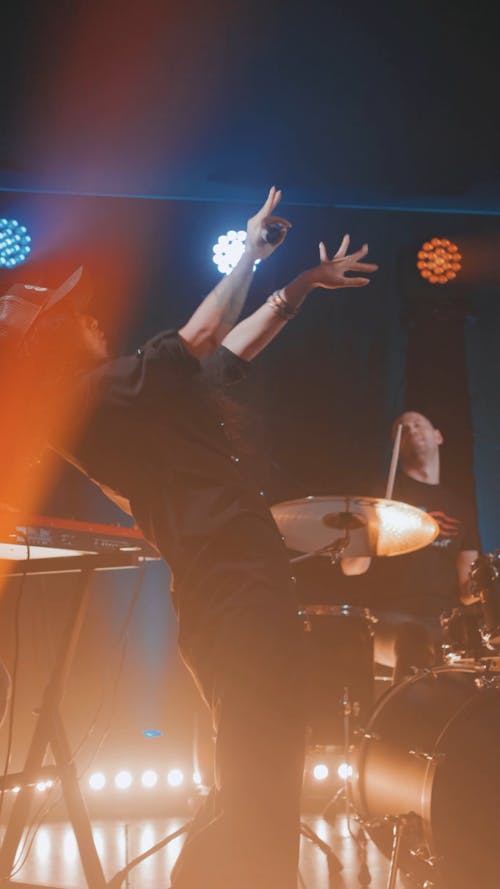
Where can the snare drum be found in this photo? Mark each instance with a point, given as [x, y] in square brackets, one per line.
[431, 752]
[339, 669]
[485, 583]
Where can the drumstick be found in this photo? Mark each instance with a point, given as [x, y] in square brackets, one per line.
[394, 463]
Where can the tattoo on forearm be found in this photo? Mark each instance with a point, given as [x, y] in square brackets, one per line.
[231, 300]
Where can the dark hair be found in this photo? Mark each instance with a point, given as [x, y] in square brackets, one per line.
[54, 347]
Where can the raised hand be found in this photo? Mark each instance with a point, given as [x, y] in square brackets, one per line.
[331, 273]
[256, 244]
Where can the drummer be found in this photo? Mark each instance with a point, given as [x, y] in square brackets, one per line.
[409, 593]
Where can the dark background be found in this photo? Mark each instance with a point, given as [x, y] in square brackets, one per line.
[131, 138]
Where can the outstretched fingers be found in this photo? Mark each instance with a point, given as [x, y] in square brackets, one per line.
[355, 282]
[358, 254]
[272, 200]
[363, 267]
[344, 246]
[323, 255]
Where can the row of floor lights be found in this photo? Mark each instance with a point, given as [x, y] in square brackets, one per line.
[321, 771]
[175, 778]
[123, 780]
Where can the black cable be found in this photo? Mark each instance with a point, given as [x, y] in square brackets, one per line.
[122, 641]
[36, 822]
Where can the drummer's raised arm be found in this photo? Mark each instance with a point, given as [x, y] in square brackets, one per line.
[353, 565]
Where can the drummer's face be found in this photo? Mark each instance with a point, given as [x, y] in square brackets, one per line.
[419, 437]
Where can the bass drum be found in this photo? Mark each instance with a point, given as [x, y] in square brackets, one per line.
[431, 751]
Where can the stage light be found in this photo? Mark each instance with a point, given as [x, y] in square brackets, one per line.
[197, 778]
[344, 770]
[41, 786]
[14, 243]
[151, 732]
[321, 772]
[123, 780]
[149, 778]
[175, 777]
[228, 251]
[16, 789]
[97, 781]
[439, 261]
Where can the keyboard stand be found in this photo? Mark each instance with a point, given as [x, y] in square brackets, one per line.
[49, 732]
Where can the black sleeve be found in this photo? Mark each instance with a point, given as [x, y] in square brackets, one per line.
[470, 536]
[224, 368]
[166, 354]
[162, 367]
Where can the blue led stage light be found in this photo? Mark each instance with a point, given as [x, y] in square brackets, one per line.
[14, 243]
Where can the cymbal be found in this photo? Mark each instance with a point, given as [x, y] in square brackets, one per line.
[376, 527]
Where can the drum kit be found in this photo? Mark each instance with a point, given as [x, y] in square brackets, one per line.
[425, 758]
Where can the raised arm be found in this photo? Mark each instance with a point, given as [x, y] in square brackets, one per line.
[253, 334]
[220, 310]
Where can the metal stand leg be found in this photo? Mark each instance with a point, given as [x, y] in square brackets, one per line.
[397, 833]
[50, 732]
[333, 863]
[121, 875]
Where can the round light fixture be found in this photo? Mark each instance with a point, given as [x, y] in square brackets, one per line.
[439, 261]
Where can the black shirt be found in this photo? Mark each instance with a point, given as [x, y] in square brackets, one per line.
[425, 582]
[153, 434]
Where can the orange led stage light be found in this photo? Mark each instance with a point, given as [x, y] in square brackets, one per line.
[439, 261]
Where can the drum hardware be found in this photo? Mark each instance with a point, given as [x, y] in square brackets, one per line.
[345, 794]
[338, 669]
[423, 854]
[491, 641]
[484, 583]
[334, 551]
[334, 863]
[397, 833]
[339, 674]
[427, 671]
[487, 680]
[449, 783]
[428, 757]
[398, 827]
[370, 736]
[462, 633]
[402, 825]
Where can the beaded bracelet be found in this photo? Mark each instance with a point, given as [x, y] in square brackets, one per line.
[280, 304]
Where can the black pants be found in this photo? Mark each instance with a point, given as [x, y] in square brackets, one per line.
[241, 638]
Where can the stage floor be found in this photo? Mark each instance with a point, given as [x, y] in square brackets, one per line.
[54, 859]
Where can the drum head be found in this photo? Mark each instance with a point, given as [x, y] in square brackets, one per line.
[455, 795]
